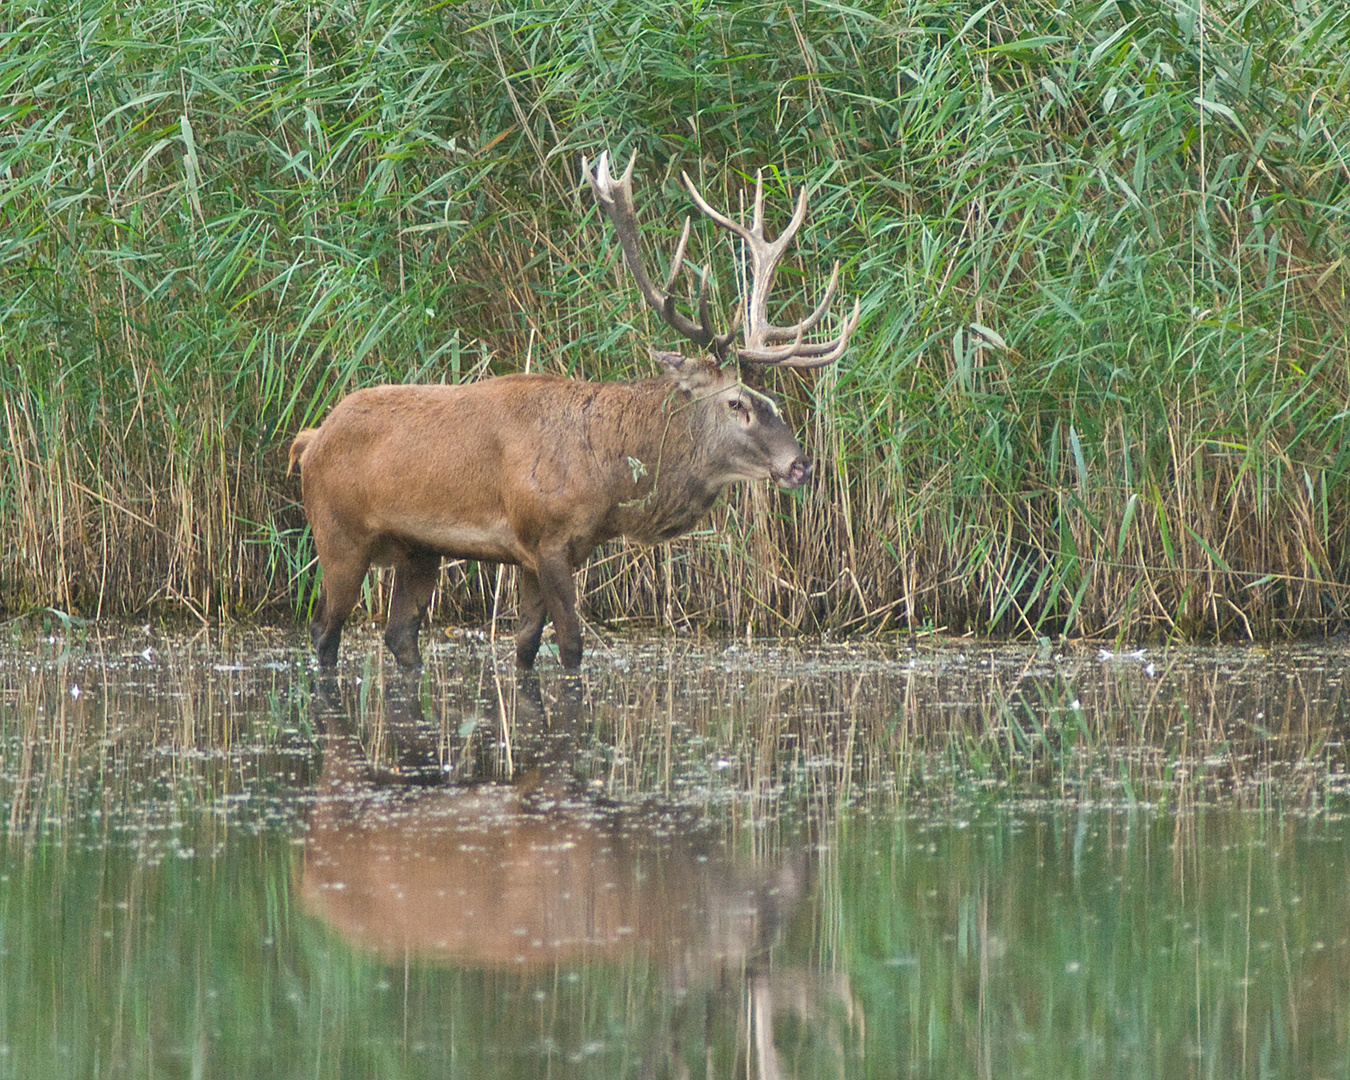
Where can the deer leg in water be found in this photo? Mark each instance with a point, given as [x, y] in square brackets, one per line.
[338, 594]
[343, 572]
[530, 615]
[560, 598]
[414, 581]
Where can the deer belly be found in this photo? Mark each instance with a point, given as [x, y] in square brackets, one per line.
[491, 539]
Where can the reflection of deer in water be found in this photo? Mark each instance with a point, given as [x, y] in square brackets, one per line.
[533, 871]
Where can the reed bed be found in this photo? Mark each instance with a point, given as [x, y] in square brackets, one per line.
[1100, 386]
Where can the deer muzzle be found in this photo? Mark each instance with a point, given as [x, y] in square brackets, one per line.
[795, 475]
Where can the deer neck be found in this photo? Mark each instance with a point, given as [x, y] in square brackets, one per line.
[663, 480]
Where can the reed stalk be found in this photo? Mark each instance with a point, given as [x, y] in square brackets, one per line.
[1099, 389]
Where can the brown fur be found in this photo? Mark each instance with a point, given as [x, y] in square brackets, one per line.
[528, 470]
[298, 445]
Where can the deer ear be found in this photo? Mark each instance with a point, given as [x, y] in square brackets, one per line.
[693, 374]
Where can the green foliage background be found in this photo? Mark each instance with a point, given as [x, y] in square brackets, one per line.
[1100, 384]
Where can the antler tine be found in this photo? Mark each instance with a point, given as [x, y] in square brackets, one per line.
[769, 333]
[677, 260]
[615, 197]
[755, 233]
[809, 354]
[763, 340]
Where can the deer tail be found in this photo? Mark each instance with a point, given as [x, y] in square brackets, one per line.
[298, 447]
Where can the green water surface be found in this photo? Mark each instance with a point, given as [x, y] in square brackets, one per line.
[931, 859]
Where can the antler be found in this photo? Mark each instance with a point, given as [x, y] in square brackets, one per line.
[616, 199]
[765, 343]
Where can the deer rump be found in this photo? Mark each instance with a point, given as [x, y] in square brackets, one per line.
[535, 470]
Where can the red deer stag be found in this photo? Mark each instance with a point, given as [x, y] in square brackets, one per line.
[536, 470]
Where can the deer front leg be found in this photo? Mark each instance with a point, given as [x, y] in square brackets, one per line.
[530, 615]
[560, 600]
[415, 577]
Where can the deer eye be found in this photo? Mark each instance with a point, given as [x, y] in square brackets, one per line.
[736, 405]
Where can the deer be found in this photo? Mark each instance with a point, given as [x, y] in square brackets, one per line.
[536, 470]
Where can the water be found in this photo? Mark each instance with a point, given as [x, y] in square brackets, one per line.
[928, 860]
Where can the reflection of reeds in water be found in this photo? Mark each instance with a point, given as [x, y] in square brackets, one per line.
[144, 857]
[187, 720]
[1072, 943]
[1171, 728]
[128, 730]
[1092, 849]
[1021, 863]
[469, 822]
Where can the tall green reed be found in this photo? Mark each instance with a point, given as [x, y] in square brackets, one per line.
[1101, 381]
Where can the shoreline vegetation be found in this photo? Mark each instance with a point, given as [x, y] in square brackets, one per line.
[1101, 385]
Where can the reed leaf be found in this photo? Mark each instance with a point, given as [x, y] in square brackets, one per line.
[1099, 387]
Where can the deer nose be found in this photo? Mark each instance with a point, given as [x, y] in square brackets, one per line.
[798, 473]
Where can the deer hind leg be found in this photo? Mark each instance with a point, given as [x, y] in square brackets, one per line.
[343, 568]
[415, 575]
[560, 599]
[530, 615]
